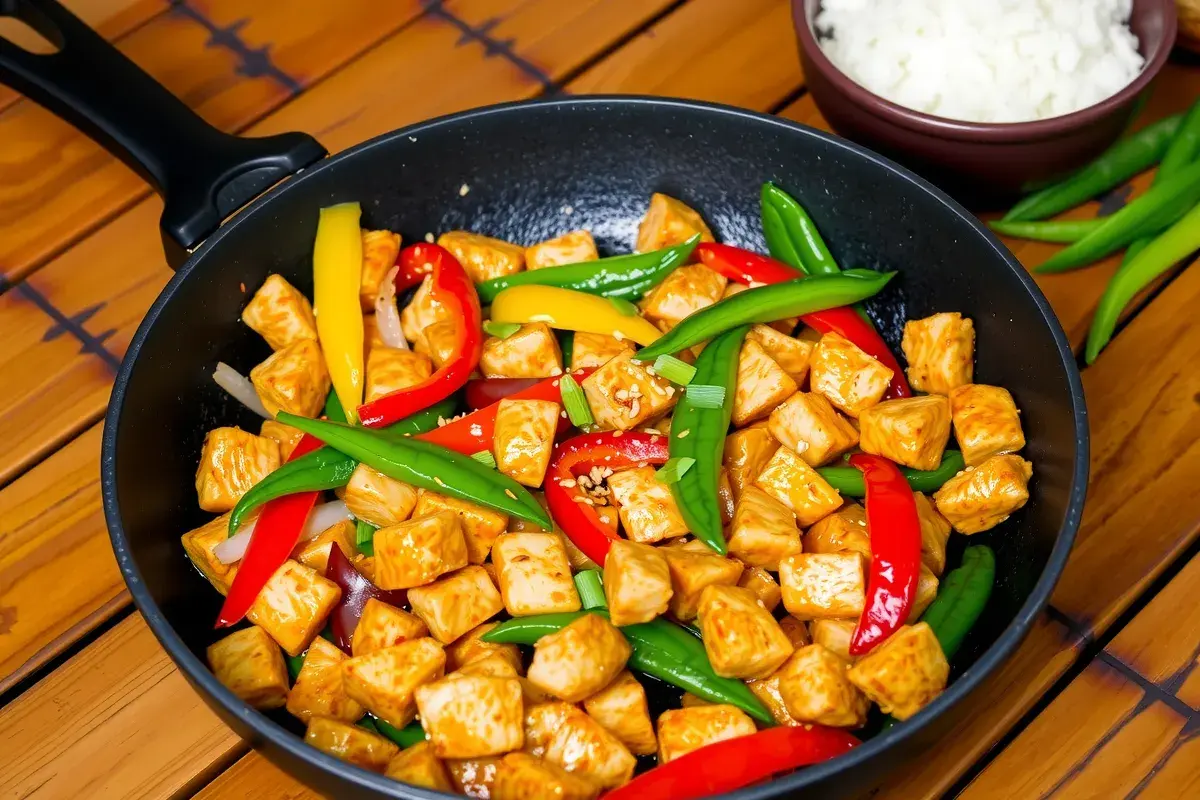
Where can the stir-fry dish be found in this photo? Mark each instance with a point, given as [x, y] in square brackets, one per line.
[526, 522]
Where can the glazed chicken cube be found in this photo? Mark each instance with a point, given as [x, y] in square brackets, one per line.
[421, 313]
[320, 689]
[199, 543]
[570, 248]
[935, 532]
[379, 251]
[637, 582]
[763, 530]
[382, 625]
[692, 571]
[682, 730]
[385, 681]
[293, 379]
[470, 716]
[746, 453]
[535, 577]
[375, 498]
[481, 525]
[524, 437]
[844, 531]
[493, 666]
[767, 692]
[927, 589]
[596, 349]
[624, 395]
[815, 687]
[440, 342]
[418, 766]
[350, 743]
[646, 505]
[834, 635]
[791, 481]
[940, 351]
[986, 422]
[470, 647]
[390, 369]
[232, 461]
[483, 257]
[531, 352]
[809, 424]
[761, 384]
[280, 313]
[579, 660]
[682, 293]
[849, 378]
[315, 552]
[371, 335]
[520, 776]
[912, 432]
[456, 603]
[622, 709]
[763, 586]
[287, 436]
[669, 222]
[566, 736]
[417, 552]
[741, 637]
[788, 352]
[980, 498]
[794, 629]
[823, 585]
[474, 777]
[249, 664]
[293, 605]
[726, 502]
[903, 673]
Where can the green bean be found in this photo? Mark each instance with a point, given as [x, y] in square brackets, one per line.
[1061, 232]
[792, 237]
[849, 481]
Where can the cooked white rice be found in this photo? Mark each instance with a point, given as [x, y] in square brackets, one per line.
[984, 60]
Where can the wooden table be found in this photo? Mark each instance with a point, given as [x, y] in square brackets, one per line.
[1101, 699]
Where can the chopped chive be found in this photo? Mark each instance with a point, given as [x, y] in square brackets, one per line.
[364, 538]
[674, 370]
[501, 330]
[624, 307]
[591, 589]
[575, 402]
[485, 457]
[369, 724]
[706, 395]
[674, 469]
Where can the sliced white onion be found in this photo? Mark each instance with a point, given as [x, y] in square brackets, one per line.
[322, 517]
[387, 316]
[239, 387]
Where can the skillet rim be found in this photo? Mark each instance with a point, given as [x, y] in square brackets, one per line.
[266, 730]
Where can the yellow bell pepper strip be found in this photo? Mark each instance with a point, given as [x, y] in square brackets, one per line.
[337, 276]
[569, 310]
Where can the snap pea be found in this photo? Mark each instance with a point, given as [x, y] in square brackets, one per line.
[849, 481]
[409, 735]
[792, 237]
[1058, 231]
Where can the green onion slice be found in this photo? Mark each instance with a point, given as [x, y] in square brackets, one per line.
[591, 589]
[485, 457]
[364, 537]
[706, 395]
[674, 469]
[575, 402]
[674, 370]
[501, 330]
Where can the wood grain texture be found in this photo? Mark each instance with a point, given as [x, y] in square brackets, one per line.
[255, 778]
[1178, 772]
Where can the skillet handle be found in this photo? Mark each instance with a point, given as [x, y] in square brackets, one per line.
[203, 174]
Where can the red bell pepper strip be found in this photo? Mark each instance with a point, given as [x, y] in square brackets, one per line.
[356, 591]
[565, 498]
[482, 392]
[274, 538]
[750, 268]
[733, 764]
[474, 432]
[895, 533]
[452, 288]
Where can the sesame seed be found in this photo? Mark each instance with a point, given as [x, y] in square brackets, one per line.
[617, 335]
[429, 238]
[509, 492]
[476, 429]
[463, 190]
[616, 435]
[567, 483]
[438, 481]
[556, 371]
[654, 437]
[650, 369]
[683, 434]
[555, 384]
[563, 414]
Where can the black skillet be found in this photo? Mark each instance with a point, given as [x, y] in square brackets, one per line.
[532, 170]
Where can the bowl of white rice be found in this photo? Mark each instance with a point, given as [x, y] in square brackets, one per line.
[983, 96]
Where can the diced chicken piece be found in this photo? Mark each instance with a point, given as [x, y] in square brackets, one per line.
[844, 531]
[669, 222]
[596, 349]
[903, 673]
[474, 777]
[940, 351]
[365, 566]
[375, 498]
[350, 743]
[520, 776]
[683, 292]
[682, 730]
[935, 532]
[823, 585]
[849, 378]
[646, 505]
[293, 379]
[320, 689]
[763, 530]
[199, 543]
[531, 352]
[986, 422]
[761, 384]
[570, 248]
[417, 552]
[382, 625]
[379, 251]
[692, 571]
[566, 736]
[483, 257]
[741, 637]
[470, 716]
[535, 577]
[440, 342]
[371, 335]
[795, 630]
[763, 586]
[815, 688]
[767, 691]
[791, 481]
[746, 453]
[287, 436]
[280, 313]
[422, 312]
[622, 709]
[232, 461]
[927, 589]
[788, 352]
[418, 766]
[390, 369]
[912, 431]
[315, 552]
[249, 664]
[637, 582]
[810, 425]
[385, 681]
[980, 498]
[524, 437]
[623, 394]
[471, 647]
[456, 603]
[481, 525]
[579, 660]
[293, 605]
[834, 635]
[493, 666]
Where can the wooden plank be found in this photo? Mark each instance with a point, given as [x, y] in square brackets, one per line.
[117, 720]
[255, 778]
[1179, 773]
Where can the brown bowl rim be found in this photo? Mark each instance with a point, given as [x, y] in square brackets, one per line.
[997, 132]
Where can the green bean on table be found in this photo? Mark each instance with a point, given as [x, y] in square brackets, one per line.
[1057, 231]
[849, 481]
